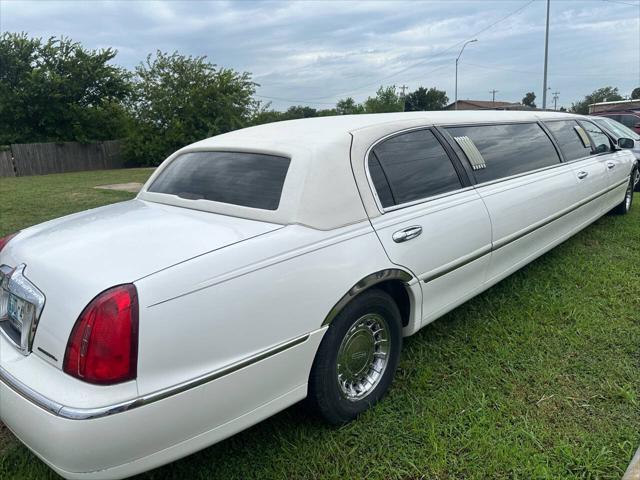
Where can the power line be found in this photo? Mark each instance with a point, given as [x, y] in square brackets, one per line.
[529, 72]
[427, 60]
[333, 103]
[292, 100]
[622, 3]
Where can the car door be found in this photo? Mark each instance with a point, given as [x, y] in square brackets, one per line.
[615, 165]
[590, 170]
[433, 222]
[524, 185]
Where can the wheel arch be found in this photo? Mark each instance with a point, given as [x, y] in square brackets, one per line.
[394, 281]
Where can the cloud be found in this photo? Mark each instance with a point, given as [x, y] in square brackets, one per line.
[320, 51]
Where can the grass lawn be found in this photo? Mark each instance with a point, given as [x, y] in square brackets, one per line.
[536, 378]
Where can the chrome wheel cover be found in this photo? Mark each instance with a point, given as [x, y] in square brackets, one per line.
[629, 197]
[363, 357]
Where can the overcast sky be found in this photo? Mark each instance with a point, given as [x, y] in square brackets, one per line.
[316, 52]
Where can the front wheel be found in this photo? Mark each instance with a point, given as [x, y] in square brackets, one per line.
[357, 358]
[626, 204]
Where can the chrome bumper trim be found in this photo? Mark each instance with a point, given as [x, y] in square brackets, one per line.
[73, 413]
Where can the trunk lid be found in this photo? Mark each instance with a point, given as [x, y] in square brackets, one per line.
[74, 258]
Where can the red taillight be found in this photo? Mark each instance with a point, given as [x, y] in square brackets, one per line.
[5, 240]
[103, 346]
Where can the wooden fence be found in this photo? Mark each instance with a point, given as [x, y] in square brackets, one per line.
[42, 158]
[6, 164]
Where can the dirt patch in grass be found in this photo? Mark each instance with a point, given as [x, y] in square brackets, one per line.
[132, 187]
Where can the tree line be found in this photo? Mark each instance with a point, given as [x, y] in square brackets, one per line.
[387, 99]
[56, 90]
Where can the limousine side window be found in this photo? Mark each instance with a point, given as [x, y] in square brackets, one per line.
[411, 166]
[568, 139]
[601, 142]
[505, 150]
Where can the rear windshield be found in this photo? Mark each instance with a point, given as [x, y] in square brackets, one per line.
[247, 179]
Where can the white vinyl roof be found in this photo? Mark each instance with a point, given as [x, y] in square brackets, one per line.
[320, 130]
[320, 190]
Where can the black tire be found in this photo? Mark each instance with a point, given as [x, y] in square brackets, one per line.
[326, 394]
[637, 180]
[627, 203]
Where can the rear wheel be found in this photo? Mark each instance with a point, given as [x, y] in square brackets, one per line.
[626, 204]
[357, 358]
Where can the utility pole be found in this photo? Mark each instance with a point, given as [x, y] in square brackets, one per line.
[555, 100]
[493, 93]
[403, 88]
[546, 59]
[458, 58]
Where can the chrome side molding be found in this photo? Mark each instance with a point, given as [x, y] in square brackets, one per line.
[364, 284]
[74, 413]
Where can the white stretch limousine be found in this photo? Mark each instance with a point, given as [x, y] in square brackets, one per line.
[275, 263]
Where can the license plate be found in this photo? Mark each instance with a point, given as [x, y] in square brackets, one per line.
[17, 310]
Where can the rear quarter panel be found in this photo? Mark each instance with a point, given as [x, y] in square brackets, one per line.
[204, 314]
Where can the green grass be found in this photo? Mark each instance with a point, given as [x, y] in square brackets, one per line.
[536, 378]
[25, 201]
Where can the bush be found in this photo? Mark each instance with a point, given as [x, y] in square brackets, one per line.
[182, 99]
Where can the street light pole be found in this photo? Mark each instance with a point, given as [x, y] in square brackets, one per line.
[546, 59]
[457, 59]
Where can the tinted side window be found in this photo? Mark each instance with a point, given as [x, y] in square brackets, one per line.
[601, 143]
[568, 139]
[380, 181]
[411, 166]
[507, 149]
[247, 179]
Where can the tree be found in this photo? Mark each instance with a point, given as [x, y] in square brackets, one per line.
[327, 112]
[266, 116]
[635, 94]
[56, 90]
[299, 111]
[604, 94]
[386, 100]
[423, 99]
[263, 113]
[529, 100]
[181, 99]
[348, 106]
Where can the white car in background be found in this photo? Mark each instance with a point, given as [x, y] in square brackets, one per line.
[275, 263]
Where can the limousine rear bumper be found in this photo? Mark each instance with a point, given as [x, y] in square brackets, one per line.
[125, 443]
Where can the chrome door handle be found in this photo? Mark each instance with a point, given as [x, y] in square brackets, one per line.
[611, 165]
[407, 234]
[582, 174]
